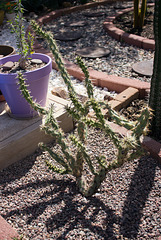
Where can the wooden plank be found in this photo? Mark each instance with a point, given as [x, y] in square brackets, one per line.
[24, 141]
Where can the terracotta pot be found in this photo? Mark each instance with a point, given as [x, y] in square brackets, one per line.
[5, 50]
[1, 16]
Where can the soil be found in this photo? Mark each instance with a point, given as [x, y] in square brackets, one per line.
[125, 22]
[134, 109]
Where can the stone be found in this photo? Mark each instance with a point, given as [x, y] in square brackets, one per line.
[93, 52]
[60, 92]
[8, 65]
[36, 61]
[76, 24]
[121, 6]
[68, 36]
[1, 56]
[144, 68]
[94, 14]
[108, 97]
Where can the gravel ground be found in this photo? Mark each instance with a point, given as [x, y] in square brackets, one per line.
[42, 205]
[122, 55]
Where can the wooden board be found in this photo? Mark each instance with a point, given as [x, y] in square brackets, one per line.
[20, 138]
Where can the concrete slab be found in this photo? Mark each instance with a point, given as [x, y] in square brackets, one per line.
[20, 138]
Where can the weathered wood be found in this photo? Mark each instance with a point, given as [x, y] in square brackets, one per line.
[23, 139]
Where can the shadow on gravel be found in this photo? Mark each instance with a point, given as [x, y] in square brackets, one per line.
[18, 169]
[73, 215]
[65, 212]
[139, 189]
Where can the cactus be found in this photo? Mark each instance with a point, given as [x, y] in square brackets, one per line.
[155, 90]
[139, 13]
[25, 46]
[129, 147]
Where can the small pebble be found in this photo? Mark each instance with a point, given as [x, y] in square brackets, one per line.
[8, 66]
[36, 61]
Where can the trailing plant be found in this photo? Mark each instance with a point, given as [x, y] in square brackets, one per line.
[155, 90]
[25, 46]
[129, 147]
[139, 13]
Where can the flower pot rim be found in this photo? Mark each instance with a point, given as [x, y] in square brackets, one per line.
[32, 55]
[9, 46]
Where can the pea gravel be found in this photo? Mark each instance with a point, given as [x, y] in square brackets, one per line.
[122, 56]
[43, 205]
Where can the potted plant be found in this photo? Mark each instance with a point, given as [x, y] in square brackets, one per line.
[2, 7]
[10, 10]
[37, 75]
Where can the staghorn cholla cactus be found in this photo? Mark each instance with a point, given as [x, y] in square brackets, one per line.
[129, 147]
[155, 90]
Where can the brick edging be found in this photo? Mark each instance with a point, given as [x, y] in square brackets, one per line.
[120, 35]
[64, 11]
[6, 230]
[100, 79]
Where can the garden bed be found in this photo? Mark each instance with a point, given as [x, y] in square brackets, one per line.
[125, 22]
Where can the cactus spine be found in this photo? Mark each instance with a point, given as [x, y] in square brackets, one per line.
[139, 13]
[155, 91]
[128, 147]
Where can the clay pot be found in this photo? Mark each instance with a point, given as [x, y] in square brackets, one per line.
[5, 50]
[1, 16]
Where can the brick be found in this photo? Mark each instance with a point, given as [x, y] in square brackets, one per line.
[148, 44]
[153, 147]
[6, 231]
[110, 19]
[132, 39]
[119, 84]
[114, 32]
[118, 129]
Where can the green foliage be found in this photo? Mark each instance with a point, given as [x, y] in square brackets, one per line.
[24, 46]
[129, 147]
[139, 13]
[155, 90]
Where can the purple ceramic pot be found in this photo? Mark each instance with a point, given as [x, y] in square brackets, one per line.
[36, 80]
